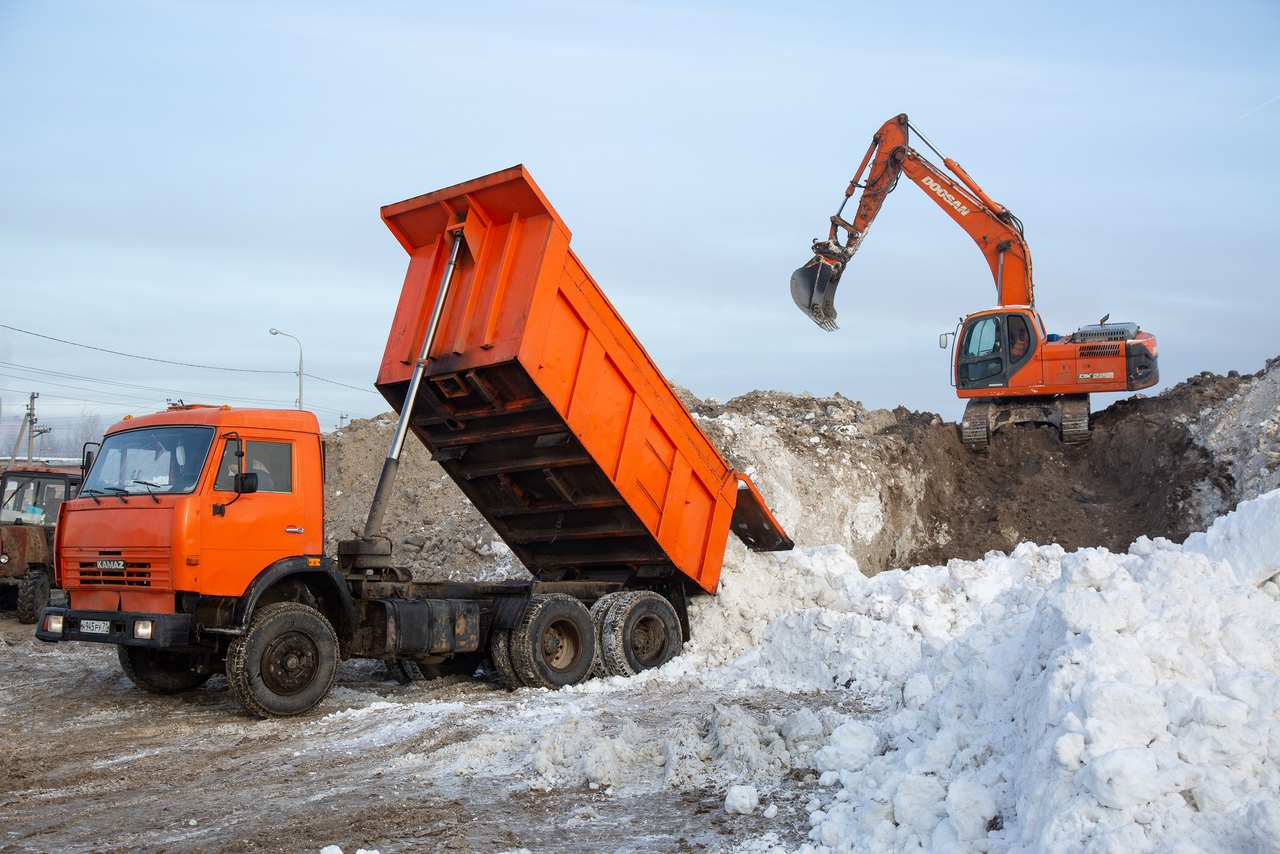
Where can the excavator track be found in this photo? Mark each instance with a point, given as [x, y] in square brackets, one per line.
[1075, 419]
[975, 428]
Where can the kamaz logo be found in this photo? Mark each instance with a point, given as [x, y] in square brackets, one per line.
[110, 564]
[942, 193]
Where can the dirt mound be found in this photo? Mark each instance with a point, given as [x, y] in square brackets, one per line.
[433, 527]
[897, 488]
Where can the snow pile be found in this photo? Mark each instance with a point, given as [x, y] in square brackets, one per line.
[1042, 701]
[1247, 538]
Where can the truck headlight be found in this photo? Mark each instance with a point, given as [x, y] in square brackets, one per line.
[53, 623]
[142, 630]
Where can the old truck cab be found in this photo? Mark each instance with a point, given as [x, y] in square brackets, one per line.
[181, 508]
[31, 498]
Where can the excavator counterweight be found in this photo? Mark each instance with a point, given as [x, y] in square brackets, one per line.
[1009, 368]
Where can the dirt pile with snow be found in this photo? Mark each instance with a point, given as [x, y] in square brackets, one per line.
[894, 488]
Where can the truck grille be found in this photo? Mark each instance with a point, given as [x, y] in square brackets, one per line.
[129, 569]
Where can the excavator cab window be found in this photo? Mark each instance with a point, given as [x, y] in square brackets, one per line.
[981, 362]
[1019, 339]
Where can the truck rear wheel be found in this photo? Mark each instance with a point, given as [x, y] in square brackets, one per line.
[285, 663]
[159, 671]
[500, 653]
[599, 610]
[33, 595]
[556, 643]
[641, 631]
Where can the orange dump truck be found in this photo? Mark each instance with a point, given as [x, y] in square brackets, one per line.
[196, 544]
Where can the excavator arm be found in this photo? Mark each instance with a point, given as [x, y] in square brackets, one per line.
[995, 230]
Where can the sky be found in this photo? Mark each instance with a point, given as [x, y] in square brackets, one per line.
[176, 179]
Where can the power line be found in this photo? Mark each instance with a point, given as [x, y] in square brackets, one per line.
[180, 364]
[145, 358]
[159, 403]
[168, 392]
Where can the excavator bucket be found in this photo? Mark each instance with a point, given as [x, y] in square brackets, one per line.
[813, 287]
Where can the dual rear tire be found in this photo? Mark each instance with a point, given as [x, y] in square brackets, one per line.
[560, 642]
[554, 646]
[639, 630]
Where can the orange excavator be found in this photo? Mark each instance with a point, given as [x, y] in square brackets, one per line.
[1005, 363]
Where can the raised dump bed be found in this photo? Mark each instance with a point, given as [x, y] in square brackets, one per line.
[541, 404]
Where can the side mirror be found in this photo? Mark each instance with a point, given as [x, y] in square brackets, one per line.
[247, 483]
[942, 340]
[86, 457]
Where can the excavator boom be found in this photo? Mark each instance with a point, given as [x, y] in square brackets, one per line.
[992, 227]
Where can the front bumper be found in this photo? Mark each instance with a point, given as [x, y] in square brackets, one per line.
[168, 631]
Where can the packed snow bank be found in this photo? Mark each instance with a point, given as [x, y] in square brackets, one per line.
[1037, 701]
[1247, 538]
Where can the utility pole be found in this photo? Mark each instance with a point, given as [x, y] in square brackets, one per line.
[29, 425]
[32, 429]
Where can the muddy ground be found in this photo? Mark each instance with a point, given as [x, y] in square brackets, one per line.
[90, 763]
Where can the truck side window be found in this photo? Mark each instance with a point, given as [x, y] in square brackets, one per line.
[271, 461]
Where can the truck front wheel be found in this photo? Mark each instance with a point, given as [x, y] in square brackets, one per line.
[285, 663]
[159, 671]
[33, 595]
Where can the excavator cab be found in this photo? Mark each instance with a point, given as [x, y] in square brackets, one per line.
[993, 347]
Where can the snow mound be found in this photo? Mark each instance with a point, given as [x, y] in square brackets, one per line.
[1034, 701]
[1246, 537]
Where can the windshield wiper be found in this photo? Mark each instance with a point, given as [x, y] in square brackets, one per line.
[92, 493]
[119, 492]
[17, 490]
[150, 486]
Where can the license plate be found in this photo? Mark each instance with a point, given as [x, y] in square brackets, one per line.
[97, 627]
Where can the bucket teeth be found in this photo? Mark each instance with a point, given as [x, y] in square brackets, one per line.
[813, 287]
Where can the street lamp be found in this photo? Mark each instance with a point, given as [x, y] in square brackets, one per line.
[287, 335]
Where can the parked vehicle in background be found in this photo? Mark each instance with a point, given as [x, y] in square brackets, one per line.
[31, 499]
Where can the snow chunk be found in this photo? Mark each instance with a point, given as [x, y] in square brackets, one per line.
[741, 800]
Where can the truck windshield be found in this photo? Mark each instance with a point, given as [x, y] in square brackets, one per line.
[153, 459]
